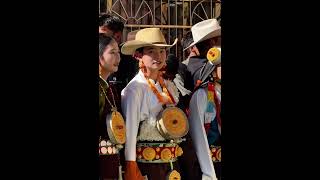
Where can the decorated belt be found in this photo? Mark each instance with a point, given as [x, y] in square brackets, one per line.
[158, 152]
[106, 147]
[215, 153]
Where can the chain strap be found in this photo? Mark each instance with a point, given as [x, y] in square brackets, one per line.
[113, 107]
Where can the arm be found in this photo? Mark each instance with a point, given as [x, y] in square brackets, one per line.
[198, 105]
[131, 110]
[178, 81]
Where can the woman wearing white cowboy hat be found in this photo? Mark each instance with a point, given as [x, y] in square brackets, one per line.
[204, 107]
[143, 100]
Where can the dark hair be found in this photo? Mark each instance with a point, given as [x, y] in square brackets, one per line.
[187, 39]
[112, 22]
[172, 67]
[205, 45]
[140, 50]
[104, 41]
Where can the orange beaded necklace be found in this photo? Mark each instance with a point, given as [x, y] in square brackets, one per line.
[169, 99]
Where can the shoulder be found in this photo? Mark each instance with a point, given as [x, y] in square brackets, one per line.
[201, 92]
[200, 95]
[136, 86]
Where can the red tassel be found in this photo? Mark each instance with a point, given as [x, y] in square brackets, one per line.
[207, 127]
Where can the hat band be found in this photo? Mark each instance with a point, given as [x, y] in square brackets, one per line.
[160, 43]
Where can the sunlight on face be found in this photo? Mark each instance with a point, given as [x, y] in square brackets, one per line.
[111, 58]
[154, 57]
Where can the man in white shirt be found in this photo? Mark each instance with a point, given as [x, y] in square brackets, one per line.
[204, 108]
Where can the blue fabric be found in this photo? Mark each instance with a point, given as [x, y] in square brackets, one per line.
[213, 134]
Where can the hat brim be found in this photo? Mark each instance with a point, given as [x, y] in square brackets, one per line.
[210, 35]
[130, 47]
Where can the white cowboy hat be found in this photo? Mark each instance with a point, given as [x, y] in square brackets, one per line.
[146, 37]
[204, 30]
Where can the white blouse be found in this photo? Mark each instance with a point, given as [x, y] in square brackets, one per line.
[198, 106]
[140, 104]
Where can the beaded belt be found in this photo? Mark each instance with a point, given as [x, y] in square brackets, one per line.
[215, 153]
[158, 152]
[106, 147]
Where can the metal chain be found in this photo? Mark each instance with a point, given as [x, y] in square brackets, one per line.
[114, 107]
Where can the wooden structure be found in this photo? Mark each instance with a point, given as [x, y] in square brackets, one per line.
[174, 17]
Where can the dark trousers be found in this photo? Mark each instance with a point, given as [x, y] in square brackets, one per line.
[217, 169]
[157, 171]
[189, 164]
[109, 167]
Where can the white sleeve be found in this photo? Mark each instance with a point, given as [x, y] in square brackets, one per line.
[178, 81]
[130, 102]
[198, 134]
[218, 92]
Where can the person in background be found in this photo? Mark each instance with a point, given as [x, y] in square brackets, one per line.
[204, 108]
[128, 66]
[111, 25]
[171, 68]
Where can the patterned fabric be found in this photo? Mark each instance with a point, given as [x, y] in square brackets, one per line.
[158, 152]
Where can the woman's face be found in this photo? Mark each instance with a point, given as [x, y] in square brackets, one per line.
[110, 58]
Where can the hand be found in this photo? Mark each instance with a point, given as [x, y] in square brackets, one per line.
[132, 171]
[178, 81]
